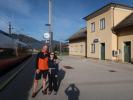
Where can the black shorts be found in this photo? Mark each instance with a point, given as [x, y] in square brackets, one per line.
[39, 75]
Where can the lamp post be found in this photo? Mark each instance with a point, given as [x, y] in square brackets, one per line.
[50, 37]
[50, 26]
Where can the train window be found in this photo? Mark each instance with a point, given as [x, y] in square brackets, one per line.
[6, 53]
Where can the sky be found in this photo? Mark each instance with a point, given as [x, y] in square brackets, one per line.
[30, 16]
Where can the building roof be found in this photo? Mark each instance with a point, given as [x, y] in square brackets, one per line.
[105, 8]
[82, 33]
[128, 21]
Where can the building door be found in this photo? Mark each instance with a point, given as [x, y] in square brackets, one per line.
[102, 51]
[127, 51]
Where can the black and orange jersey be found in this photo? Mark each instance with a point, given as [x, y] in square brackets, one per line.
[42, 61]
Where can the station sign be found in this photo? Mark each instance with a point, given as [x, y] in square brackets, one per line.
[46, 35]
[96, 40]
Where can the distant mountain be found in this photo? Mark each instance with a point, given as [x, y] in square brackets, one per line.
[34, 43]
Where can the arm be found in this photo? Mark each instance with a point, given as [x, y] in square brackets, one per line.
[36, 61]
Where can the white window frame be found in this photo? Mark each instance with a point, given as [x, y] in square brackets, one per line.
[102, 24]
[93, 27]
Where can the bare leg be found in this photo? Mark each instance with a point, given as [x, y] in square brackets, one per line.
[44, 83]
[35, 86]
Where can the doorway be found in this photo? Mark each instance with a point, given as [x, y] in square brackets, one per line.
[127, 51]
[102, 51]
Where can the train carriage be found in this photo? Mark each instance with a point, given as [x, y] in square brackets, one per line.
[12, 52]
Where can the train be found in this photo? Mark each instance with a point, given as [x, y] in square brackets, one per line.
[12, 52]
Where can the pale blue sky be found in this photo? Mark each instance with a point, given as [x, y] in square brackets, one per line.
[30, 16]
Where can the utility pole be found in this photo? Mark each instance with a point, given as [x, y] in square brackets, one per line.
[14, 41]
[50, 26]
[10, 28]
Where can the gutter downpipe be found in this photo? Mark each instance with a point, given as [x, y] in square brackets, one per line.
[114, 31]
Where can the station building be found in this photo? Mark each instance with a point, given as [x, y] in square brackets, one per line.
[78, 43]
[124, 31]
[106, 39]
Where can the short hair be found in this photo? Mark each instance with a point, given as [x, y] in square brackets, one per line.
[44, 45]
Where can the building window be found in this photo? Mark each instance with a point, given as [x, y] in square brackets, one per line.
[93, 27]
[92, 48]
[102, 23]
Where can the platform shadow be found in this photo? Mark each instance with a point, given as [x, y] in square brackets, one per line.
[72, 92]
[61, 75]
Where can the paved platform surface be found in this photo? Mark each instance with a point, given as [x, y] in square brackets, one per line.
[81, 79]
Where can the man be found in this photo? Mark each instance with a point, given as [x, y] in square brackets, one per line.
[41, 69]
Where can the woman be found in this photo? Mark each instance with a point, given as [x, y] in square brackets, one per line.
[53, 73]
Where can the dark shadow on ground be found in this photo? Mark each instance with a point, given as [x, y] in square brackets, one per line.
[61, 75]
[72, 92]
[39, 89]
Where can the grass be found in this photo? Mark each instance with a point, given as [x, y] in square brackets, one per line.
[62, 54]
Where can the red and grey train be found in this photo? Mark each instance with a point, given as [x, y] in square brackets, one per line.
[12, 51]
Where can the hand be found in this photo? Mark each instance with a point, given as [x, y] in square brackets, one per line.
[50, 71]
[57, 61]
[37, 71]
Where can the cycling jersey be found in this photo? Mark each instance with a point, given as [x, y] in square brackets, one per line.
[42, 61]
